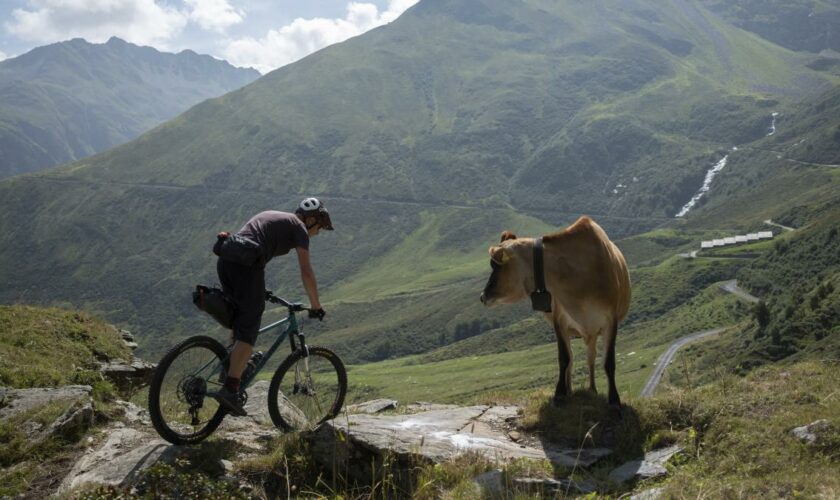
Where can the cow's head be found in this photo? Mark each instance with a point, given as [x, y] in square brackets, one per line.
[510, 270]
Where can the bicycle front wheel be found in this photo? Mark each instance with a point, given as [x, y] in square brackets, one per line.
[306, 391]
[178, 406]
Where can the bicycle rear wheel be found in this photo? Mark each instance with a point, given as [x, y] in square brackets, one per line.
[178, 408]
[306, 391]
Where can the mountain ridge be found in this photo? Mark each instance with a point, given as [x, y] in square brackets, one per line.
[68, 100]
[497, 117]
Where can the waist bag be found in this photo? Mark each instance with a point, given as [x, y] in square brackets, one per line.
[237, 249]
[216, 303]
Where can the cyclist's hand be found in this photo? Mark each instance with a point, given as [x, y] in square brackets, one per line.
[317, 313]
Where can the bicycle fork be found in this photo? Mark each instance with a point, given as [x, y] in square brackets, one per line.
[303, 382]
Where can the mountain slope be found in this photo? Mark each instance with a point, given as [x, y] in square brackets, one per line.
[451, 124]
[72, 99]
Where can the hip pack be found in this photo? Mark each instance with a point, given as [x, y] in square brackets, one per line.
[238, 249]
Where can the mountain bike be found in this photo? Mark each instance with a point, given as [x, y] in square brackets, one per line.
[307, 389]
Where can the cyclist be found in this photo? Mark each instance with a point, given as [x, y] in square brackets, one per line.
[276, 233]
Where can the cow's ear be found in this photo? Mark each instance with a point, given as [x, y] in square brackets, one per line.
[507, 235]
[499, 255]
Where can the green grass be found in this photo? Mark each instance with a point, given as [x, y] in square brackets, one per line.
[435, 254]
[744, 444]
[26, 459]
[473, 377]
[50, 347]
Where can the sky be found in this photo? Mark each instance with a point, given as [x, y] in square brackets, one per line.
[262, 34]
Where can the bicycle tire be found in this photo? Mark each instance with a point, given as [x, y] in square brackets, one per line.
[156, 411]
[281, 379]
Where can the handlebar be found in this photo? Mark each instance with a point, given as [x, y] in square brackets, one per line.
[292, 306]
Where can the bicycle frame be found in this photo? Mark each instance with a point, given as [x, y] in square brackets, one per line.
[291, 331]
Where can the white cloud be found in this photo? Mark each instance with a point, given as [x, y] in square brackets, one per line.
[216, 15]
[303, 36]
[143, 22]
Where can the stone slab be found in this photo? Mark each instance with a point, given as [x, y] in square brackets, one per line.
[373, 406]
[124, 454]
[442, 434]
[652, 465]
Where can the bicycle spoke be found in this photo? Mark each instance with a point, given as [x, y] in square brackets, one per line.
[183, 406]
[305, 398]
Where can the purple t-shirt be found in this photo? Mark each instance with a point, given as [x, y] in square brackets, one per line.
[276, 232]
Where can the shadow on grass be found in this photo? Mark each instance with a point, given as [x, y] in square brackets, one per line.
[584, 421]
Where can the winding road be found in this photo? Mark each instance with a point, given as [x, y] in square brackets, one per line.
[665, 359]
[668, 356]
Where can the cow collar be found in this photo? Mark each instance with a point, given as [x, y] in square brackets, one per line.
[540, 297]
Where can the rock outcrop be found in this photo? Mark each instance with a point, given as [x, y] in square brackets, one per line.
[652, 465]
[125, 453]
[74, 402]
[360, 444]
[810, 434]
[130, 375]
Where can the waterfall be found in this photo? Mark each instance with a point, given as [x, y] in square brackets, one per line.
[773, 124]
[707, 182]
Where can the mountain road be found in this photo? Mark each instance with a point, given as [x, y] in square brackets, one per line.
[665, 359]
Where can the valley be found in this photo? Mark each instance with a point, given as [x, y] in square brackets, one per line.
[669, 123]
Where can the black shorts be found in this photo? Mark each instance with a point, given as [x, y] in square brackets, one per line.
[246, 285]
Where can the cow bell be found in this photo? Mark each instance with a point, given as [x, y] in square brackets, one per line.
[541, 300]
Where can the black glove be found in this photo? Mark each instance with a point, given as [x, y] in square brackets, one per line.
[317, 313]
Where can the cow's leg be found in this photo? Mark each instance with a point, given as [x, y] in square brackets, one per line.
[591, 351]
[564, 356]
[609, 363]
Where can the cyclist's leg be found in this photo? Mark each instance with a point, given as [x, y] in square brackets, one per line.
[246, 285]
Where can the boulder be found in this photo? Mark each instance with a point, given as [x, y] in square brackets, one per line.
[128, 376]
[810, 434]
[490, 484]
[119, 460]
[372, 407]
[256, 429]
[421, 406]
[360, 444]
[652, 465]
[75, 421]
[133, 414]
[16, 401]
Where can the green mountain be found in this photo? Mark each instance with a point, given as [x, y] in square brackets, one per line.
[426, 138]
[802, 25]
[69, 100]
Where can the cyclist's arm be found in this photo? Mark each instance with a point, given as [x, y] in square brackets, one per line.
[307, 276]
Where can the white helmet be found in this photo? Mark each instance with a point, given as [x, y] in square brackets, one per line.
[309, 205]
[313, 206]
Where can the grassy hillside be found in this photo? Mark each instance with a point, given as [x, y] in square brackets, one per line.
[426, 138]
[523, 357]
[799, 280]
[804, 25]
[68, 100]
[51, 347]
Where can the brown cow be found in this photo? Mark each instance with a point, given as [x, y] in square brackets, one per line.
[589, 285]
